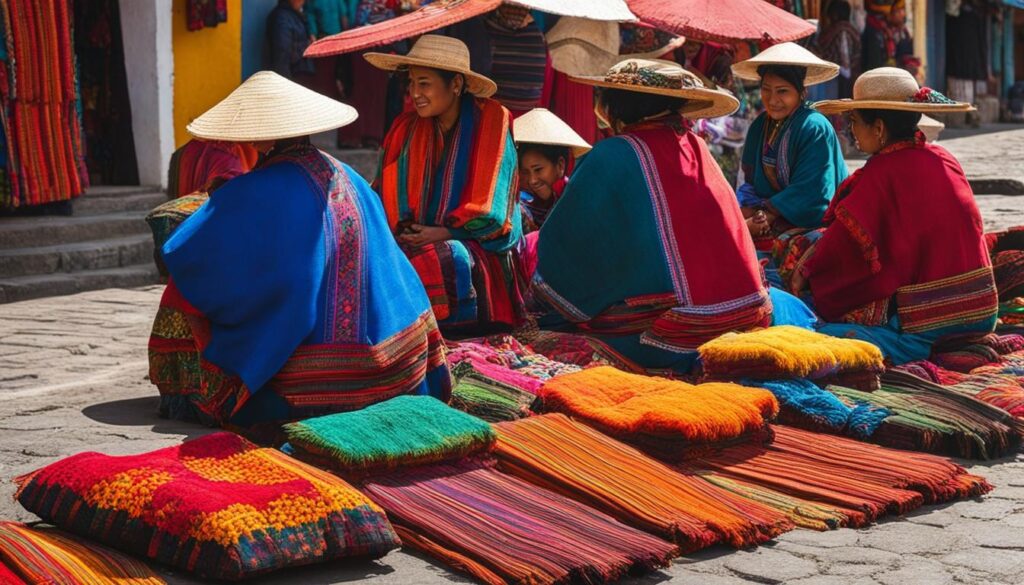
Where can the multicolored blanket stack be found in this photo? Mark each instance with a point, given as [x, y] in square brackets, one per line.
[1003, 391]
[216, 506]
[864, 482]
[787, 352]
[806, 405]
[567, 457]
[666, 418]
[37, 556]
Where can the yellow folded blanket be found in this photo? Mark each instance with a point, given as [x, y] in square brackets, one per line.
[786, 352]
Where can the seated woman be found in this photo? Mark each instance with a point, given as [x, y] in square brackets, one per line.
[288, 296]
[903, 262]
[448, 179]
[547, 149]
[201, 165]
[647, 249]
[792, 160]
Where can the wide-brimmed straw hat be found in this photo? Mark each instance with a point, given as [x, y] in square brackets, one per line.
[891, 88]
[539, 126]
[581, 46]
[269, 107]
[666, 78]
[437, 52]
[792, 54]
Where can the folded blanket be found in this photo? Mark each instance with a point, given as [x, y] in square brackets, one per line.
[787, 352]
[667, 418]
[556, 453]
[501, 529]
[46, 555]
[403, 431]
[1000, 390]
[216, 506]
[865, 481]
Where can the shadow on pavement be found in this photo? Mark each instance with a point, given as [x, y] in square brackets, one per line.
[141, 412]
[343, 571]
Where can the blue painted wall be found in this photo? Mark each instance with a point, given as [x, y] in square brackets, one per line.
[254, 29]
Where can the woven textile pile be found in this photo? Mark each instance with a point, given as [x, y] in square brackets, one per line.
[986, 351]
[864, 482]
[30, 556]
[934, 419]
[216, 506]
[806, 405]
[38, 92]
[788, 352]
[400, 432]
[567, 457]
[667, 418]
[1000, 390]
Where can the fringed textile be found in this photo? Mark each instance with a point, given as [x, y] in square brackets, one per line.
[403, 431]
[501, 529]
[1000, 390]
[38, 90]
[802, 513]
[216, 506]
[668, 418]
[931, 418]
[556, 453]
[865, 481]
[808, 406]
[45, 555]
[787, 352]
[979, 352]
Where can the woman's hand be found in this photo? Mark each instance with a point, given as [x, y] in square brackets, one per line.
[759, 225]
[420, 235]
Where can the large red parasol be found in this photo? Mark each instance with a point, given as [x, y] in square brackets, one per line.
[431, 17]
[722, 20]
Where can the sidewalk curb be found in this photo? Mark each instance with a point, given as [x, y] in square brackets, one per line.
[996, 186]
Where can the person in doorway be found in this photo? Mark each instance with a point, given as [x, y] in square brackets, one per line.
[902, 262]
[288, 296]
[288, 37]
[448, 180]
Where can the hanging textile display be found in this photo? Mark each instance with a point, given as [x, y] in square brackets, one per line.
[38, 94]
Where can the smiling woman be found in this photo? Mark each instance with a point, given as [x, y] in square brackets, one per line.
[792, 161]
[448, 180]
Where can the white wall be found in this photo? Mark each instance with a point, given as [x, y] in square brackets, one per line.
[149, 67]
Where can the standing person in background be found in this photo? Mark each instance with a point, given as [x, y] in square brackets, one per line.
[519, 58]
[289, 36]
[839, 42]
[886, 42]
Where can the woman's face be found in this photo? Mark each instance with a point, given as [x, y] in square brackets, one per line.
[537, 173]
[779, 96]
[867, 137]
[430, 94]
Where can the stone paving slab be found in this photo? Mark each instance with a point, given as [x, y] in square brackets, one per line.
[73, 377]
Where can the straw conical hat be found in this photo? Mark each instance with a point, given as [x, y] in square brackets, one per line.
[891, 88]
[437, 52]
[581, 46]
[539, 126]
[269, 107]
[666, 78]
[818, 70]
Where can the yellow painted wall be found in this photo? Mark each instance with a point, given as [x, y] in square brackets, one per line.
[207, 65]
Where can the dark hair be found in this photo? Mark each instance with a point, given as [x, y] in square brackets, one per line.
[839, 10]
[551, 152]
[792, 74]
[900, 125]
[629, 107]
[446, 76]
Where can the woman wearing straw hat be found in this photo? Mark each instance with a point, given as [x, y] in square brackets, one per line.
[547, 149]
[792, 160]
[288, 296]
[448, 182]
[647, 249]
[902, 262]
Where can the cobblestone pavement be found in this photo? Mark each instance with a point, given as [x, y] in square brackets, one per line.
[73, 378]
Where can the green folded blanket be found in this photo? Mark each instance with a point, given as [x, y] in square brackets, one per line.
[403, 431]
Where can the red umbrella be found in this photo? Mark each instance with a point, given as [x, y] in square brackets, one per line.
[722, 20]
[431, 17]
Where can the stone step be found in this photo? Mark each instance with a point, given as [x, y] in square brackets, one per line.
[102, 200]
[30, 232]
[91, 255]
[23, 288]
